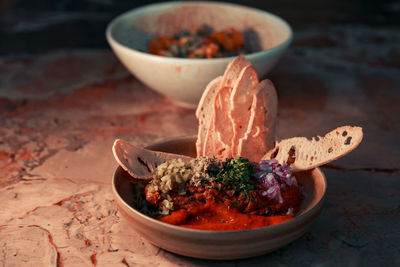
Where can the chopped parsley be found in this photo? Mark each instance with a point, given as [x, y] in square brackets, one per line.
[236, 174]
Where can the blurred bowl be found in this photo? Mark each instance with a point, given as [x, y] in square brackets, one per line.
[181, 79]
[217, 244]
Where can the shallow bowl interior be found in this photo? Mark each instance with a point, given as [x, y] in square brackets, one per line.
[217, 244]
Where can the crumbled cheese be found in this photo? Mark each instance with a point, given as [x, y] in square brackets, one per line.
[170, 175]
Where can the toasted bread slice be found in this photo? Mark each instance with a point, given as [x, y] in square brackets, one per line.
[139, 162]
[223, 128]
[209, 140]
[302, 154]
[233, 70]
[237, 116]
[260, 133]
[241, 111]
[205, 108]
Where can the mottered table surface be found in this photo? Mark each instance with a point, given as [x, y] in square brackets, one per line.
[64, 99]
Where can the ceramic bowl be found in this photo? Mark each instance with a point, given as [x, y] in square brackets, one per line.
[180, 79]
[217, 244]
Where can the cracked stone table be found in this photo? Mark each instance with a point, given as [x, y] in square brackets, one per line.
[60, 112]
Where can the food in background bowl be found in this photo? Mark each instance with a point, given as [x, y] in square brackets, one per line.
[183, 80]
[199, 42]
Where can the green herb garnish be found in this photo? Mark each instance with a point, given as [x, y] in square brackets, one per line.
[236, 174]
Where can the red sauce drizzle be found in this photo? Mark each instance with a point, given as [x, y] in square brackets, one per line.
[216, 216]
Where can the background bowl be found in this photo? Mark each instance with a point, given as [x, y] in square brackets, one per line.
[180, 79]
[217, 244]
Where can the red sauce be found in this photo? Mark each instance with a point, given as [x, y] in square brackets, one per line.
[216, 216]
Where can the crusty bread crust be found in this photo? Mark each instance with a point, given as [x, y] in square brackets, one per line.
[139, 162]
[204, 108]
[206, 143]
[260, 132]
[240, 116]
[304, 154]
[233, 70]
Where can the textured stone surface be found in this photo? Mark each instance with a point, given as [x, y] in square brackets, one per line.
[60, 111]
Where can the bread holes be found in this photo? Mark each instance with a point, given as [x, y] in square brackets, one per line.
[275, 152]
[344, 133]
[292, 157]
[317, 138]
[311, 153]
[348, 141]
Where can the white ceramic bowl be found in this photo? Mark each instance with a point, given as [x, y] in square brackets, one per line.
[180, 79]
[217, 244]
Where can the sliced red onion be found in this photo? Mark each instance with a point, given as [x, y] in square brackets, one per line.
[273, 176]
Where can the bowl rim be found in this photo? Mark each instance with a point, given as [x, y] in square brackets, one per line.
[270, 228]
[112, 41]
